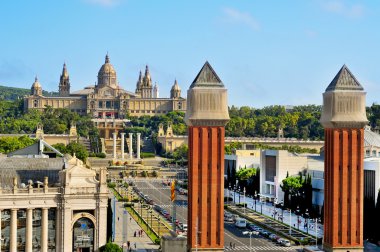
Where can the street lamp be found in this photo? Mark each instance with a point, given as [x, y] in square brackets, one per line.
[255, 199]
[159, 225]
[274, 208]
[282, 210]
[250, 236]
[298, 217]
[244, 199]
[239, 193]
[229, 193]
[307, 220]
[261, 204]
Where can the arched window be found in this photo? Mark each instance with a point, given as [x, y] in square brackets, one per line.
[35, 103]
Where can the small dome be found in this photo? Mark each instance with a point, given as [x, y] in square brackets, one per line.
[176, 87]
[36, 84]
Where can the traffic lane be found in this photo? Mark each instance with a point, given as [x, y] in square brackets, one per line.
[244, 239]
[160, 194]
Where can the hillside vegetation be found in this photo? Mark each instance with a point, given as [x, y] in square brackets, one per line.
[12, 93]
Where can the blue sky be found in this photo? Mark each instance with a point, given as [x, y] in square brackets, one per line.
[265, 52]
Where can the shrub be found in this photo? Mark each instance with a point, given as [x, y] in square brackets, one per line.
[101, 155]
[241, 205]
[147, 155]
[144, 174]
[92, 154]
[118, 163]
[111, 185]
[157, 241]
[155, 174]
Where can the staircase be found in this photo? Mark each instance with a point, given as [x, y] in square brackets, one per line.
[86, 143]
[147, 146]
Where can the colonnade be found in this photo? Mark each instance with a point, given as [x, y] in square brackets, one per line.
[130, 145]
[13, 241]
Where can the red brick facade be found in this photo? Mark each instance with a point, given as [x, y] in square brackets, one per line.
[206, 183]
[343, 209]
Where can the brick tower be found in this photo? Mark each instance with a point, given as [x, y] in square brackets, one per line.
[206, 116]
[343, 118]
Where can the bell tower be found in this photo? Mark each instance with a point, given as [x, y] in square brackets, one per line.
[64, 82]
[206, 117]
[343, 118]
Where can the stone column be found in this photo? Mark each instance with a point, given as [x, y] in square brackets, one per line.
[29, 230]
[13, 231]
[138, 145]
[130, 146]
[44, 230]
[122, 145]
[114, 145]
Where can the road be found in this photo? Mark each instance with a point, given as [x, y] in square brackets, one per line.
[288, 217]
[160, 194]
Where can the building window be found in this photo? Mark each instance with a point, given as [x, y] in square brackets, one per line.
[100, 105]
[374, 153]
[108, 104]
[35, 103]
[367, 153]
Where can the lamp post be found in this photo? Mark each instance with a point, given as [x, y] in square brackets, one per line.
[234, 190]
[244, 199]
[316, 233]
[274, 208]
[255, 200]
[229, 193]
[239, 193]
[307, 220]
[250, 236]
[282, 211]
[290, 221]
[159, 225]
[261, 204]
[298, 217]
[141, 209]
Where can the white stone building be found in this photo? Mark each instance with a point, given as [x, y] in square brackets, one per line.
[69, 216]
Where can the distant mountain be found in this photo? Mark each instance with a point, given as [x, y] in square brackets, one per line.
[12, 93]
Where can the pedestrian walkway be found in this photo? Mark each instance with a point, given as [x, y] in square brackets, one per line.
[126, 228]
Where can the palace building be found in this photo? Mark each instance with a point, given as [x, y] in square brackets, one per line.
[107, 99]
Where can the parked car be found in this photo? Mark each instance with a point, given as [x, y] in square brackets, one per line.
[285, 243]
[241, 223]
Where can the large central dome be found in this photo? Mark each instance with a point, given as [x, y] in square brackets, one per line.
[107, 75]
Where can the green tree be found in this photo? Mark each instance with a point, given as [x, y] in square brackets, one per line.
[246, 173]
[180, 153]
[292, 185]
[110, 247]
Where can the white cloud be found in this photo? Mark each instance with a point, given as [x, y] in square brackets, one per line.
[235, 16]
[344, 9]
[107, 3]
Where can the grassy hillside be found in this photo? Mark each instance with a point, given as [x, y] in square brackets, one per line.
[12, 93]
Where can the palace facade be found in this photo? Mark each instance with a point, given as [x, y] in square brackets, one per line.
[106, 99]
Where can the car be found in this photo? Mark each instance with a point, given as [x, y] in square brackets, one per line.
[285, 243]
[273, 237]
[241, 223]
[251, 226]
[279, 241]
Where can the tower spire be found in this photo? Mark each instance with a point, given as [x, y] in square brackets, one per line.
[107, 58]
[64, 82]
